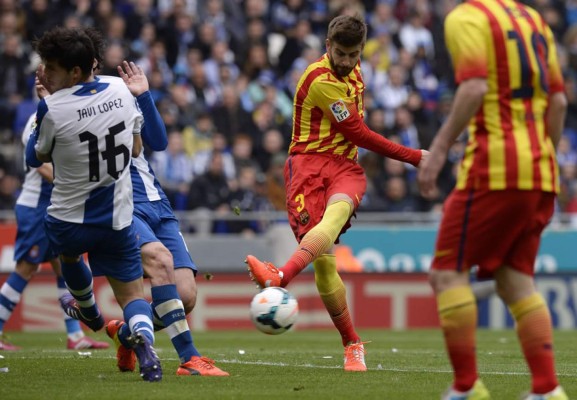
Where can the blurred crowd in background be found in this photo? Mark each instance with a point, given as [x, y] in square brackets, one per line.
[223, 75]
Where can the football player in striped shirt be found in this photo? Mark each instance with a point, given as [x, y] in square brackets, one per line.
[511, 98]
[165, 257]
[324, 182]
[88, 128]
[32, 248]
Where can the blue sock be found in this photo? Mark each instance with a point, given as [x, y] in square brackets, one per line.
[168, 307]
[78, 279]
[72, 325]
[138, 316]
[10, 295]
[123, 334]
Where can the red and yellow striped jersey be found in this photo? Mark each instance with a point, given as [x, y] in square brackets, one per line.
[511, 46]
[322, 101]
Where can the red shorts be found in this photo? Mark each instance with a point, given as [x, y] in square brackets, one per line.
[490, 229]
[311, 179]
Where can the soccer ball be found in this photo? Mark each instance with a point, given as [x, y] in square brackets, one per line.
[274, 310]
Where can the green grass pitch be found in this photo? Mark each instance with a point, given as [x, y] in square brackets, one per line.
[408, 365]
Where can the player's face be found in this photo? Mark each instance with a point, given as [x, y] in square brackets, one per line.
[56, 77]
[343, 59]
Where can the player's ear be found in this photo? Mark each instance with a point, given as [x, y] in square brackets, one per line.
[76, 74]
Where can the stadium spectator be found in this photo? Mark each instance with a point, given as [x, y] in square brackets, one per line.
[271, 144]
[414, 35]
[14, 86]
[494, 217]
[210, 191]
[202, 159]
[228, 116]
[173, 168]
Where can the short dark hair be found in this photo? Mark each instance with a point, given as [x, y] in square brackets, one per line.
[347, 30]
[99, 44]
[69, 47]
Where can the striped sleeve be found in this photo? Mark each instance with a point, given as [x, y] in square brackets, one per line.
[466, 43]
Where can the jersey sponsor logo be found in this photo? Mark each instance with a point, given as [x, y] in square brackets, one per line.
[340, 110]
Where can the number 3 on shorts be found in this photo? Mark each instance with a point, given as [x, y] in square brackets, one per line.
[300, 200]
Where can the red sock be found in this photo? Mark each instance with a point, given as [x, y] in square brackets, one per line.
[458, 316]
[334, 296]
[536, 336]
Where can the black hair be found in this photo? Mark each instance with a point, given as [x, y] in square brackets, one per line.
[69, 47]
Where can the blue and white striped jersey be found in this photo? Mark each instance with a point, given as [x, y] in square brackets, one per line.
[88, 131]
[35, 190]
[145, 185]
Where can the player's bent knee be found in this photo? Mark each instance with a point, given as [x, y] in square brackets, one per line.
[26, 269]
[157, 263]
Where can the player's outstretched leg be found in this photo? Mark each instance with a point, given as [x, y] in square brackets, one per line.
[125, 358]
[264, 274]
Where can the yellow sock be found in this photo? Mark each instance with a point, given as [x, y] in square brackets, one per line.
[334, 296]
[318, 240]
[533, 324]
[458, 317]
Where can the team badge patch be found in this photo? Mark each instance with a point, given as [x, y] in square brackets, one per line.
[34, 251]
[340, 110]
[304, 217]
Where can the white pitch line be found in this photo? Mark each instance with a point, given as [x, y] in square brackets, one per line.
[281, 364]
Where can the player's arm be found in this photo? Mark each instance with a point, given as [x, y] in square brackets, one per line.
[153, 131]
[43, 136]
[46, 171]
[330, 99]
[356, 131]
[555, 118]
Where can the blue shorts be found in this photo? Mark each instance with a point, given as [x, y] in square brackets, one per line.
[32, 244]
[155, 222]
[110, 253]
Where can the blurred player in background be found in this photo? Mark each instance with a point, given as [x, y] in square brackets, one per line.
[88, 128]
[165, 258]
[324, 183]
[32, 247]
[511, 97]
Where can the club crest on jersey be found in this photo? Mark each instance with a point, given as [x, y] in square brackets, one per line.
[304, 217]
[34, 251]
[340, 110]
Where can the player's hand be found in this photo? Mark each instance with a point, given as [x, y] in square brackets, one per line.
[429, 170]
[39, 85]
[424, 156]
[134, 78]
